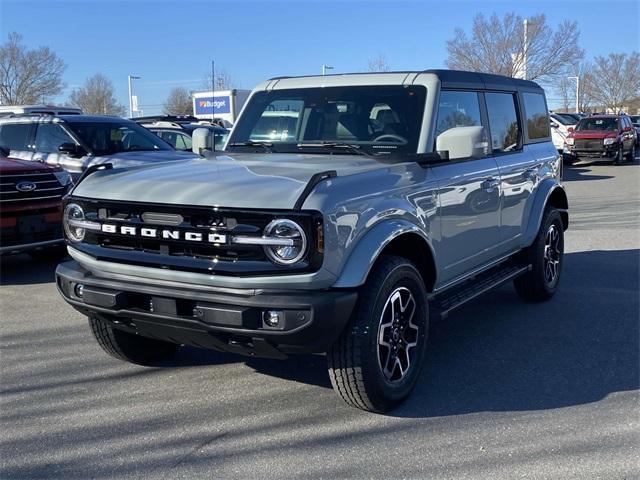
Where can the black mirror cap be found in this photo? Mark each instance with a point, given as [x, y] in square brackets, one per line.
[72, 149]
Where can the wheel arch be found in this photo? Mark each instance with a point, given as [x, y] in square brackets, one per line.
[396, 237]
[553, 194]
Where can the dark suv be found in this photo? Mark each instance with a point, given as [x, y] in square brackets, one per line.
[603, 136]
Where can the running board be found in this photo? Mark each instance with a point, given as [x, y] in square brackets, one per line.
[444, 303]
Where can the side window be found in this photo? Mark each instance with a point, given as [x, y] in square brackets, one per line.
[50, 136]
[537, 116]
[503, 122]
[183, 142]
[459, 129]
[15, 136]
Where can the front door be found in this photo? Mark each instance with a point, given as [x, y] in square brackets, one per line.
[468, 191]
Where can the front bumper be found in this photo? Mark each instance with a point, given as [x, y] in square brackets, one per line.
[608, 151]
[310, 323]
[23, 232]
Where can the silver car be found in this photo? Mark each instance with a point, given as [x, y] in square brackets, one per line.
[76, 142]
[346, 213]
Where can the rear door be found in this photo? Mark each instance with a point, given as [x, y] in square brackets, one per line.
[519, 169]
[468, 191]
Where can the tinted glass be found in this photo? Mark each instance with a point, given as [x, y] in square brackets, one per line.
[49, 136]
[562, 118]
[537, 116]
[457, 109]
[15, 136]
[378, 119]
[503, 122]
[602, 123]
[107, 138]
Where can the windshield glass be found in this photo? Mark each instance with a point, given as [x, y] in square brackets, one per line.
[564, 119]
[598, 124]
[376, 119]
[107, 138]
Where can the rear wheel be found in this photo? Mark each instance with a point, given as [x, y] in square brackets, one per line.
[130, 347]
[546, 256]
[377, 360]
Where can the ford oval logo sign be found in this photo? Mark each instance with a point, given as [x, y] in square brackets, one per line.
[26, 186]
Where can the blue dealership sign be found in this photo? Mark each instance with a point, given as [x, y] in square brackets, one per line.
[208, 105]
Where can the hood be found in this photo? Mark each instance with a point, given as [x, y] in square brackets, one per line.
[14, 165]
[595, 134]
[254, 181]
[130, 159]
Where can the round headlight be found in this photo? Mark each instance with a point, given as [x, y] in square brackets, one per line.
[294, 244]
[73, 213]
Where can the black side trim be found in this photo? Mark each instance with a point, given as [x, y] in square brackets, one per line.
[93, 168]
[311, 184]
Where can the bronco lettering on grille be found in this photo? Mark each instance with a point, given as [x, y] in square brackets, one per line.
[166, 234]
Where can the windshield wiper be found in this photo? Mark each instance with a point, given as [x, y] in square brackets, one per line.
[250, 143]
[349, 147]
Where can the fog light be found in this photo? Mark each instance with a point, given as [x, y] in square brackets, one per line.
[272, 318]
[79, 290]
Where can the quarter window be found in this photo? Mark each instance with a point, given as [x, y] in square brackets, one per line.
[503, 122]
[15, 136]
[50, 136]
[537, 116]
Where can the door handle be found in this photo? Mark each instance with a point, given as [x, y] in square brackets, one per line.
[490, 184]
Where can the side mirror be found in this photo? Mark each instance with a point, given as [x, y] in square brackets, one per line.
[463, 142]
[553, 125]
[569, 129]
[4, 151]
[626, 129]
[201, 140]
[72, 149]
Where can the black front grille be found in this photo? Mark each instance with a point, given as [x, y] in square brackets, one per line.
[588, 144]
[181, 254]
[16, 188]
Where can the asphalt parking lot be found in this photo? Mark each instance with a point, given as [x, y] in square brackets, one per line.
[510, 390]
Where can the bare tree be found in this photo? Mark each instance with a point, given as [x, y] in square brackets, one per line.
[28, 76]
[613, 81]
[224, 81]
[498, 46]
[97, 97]
[378, 64]
[178, 102]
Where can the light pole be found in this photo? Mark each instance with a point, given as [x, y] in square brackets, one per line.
[525, 47]
[577, 79]
[325, 68]
[131, 77]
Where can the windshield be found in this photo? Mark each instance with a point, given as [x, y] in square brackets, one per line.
[598, 124]
[564, 119]
[375, 119]
[107, 138]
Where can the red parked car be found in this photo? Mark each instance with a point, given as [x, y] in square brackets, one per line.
[31, 207]
[603, 136]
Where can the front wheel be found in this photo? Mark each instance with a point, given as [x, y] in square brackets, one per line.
[377, 360]
[546, 257]
[619, 158]
[130, 347]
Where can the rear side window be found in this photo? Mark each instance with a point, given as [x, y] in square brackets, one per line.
[15, 136]
[503, 122]
[537, 116]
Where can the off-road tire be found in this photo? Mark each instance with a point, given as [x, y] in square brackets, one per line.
[130, 347]
[353, 361]
[534, 285]
[49, 254]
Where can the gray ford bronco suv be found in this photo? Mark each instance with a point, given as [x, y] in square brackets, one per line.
[345, 213]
